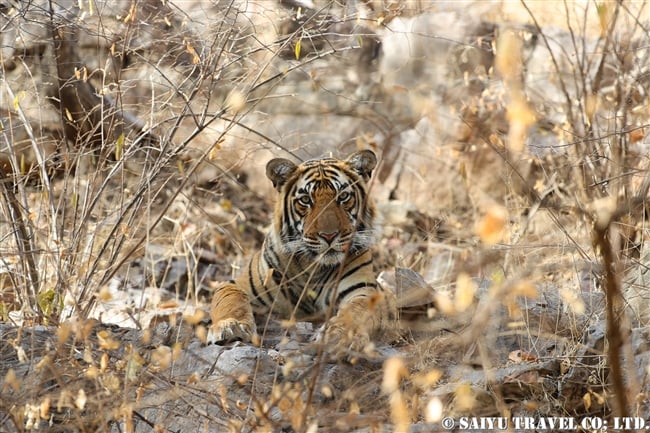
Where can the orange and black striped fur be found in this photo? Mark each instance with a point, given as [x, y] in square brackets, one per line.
[315, 256]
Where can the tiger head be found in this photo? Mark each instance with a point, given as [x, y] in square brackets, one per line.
[323, 211]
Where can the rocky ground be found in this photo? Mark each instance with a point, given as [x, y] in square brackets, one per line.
[500, 158]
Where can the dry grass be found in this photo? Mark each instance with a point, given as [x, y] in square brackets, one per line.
[513, 183]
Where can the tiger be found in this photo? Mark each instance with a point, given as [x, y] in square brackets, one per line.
[316, 260]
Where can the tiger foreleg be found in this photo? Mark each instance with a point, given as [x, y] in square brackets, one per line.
[358, 319]
[232, 316]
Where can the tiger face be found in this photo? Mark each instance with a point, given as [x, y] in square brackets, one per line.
[323, 212]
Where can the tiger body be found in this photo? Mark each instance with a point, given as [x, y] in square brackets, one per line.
[316, 258]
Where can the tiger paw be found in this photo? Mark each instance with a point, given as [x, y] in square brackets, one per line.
[343, 339]
[228, 330]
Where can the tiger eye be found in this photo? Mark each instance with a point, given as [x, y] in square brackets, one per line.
[344, 196]
[304, 201]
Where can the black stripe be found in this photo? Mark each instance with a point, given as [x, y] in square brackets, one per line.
[326, 278]
[356, 268]
[270, 258]
[277, 277]
[273, 264]
[251, 283]
[289, 294]
[343, 293]
[285, 218]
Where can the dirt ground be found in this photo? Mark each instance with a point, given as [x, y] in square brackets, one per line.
[513, 147]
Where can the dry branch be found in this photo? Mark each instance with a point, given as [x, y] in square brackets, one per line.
[617, 335]
[89, 118]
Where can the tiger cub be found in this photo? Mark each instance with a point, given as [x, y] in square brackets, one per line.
[316, 256]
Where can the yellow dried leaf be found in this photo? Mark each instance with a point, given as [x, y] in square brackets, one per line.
[131, 14]
[181, 167]
[465, 292]
[161, 358]
[326, 390]
[285, 405]
[92, 372]
[636, 135]
[119, 147]
[146, 336]
[105, 294]
[565, 364]
[46, 361]
[604, 11]
[11, 380]
[167, 305]
[592, 102]
[444, 304]
[44, 408]
[106, 341]
[194, 317]
[520, 117]
[296, 50]
[201, 333]
[423, 380]
[63, 332]
[508, 60]
[103, 362]
[223, 397]
[434, 408]
[226, 205]
[287, 324]
[20, 95]
[572, 300]
[195, 56]
[242, 379]
[214, 151]
[177, 350]
[88, 355]
[525, 289]
[491, 228]
[399, 412]
[464, 397]
[394, 371]
[586, 400]
[235, 101]
[287, 367]
[600, 398]
[80, 401]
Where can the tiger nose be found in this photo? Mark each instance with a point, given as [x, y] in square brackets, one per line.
[328, 236]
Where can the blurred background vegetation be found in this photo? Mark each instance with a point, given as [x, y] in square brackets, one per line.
[514, 141]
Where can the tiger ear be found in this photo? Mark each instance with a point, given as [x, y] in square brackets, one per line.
[279, 170]
[363, 162]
